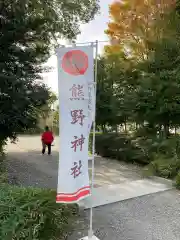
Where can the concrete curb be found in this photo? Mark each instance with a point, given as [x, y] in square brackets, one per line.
[162, 180]
[128, 190]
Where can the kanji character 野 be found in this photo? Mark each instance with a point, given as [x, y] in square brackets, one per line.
[78, 142]
[77, 116]
[76, 169]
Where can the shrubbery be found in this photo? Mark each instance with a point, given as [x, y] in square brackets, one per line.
[119, 146]
[32, 131]
[165, 160]
[160, 156]
[32, 214]
[163, 167]
[178, 180]
[38, 131]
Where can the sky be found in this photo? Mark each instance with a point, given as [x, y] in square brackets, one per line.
[90, 32]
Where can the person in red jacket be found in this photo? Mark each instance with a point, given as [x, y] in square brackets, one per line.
[47, 139]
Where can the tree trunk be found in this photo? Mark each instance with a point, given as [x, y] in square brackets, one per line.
[166, 130]
[125, 127]
[103, 128]
[160, 131]
[175, 129]
[45, 122]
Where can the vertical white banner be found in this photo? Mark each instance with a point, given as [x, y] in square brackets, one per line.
[75, 72]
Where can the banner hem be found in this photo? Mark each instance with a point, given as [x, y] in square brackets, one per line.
[73, 199]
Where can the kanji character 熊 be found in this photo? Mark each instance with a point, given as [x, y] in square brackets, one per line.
[77, 91]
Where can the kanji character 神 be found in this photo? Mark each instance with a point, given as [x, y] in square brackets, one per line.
[78, 142]
[77, 91]
[76, 169]
[77, 116]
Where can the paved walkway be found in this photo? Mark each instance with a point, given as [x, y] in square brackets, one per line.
[27, 163]
[151, 217]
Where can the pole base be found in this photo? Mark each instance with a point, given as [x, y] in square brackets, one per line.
[87, 238]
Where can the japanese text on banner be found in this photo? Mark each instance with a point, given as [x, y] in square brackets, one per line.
[75, 72]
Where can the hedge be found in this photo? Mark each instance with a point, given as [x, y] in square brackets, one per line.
[118, 146]
[32, 214]
[161, 157]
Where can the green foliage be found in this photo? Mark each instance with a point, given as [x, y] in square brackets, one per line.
[56, 121]
[119, 146]
[155, 96]
[177, 183]
[28, 213]
[56, 18]
[47, 109]
[165, 157]
[144, 93]
[33, 131]
[152, 144]
[91, 140]
[110, 110]
[3, 174]
[164, 167]
[29, 30]
[104, 95]
[162, 155]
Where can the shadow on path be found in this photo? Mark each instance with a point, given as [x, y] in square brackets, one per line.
[32, 168]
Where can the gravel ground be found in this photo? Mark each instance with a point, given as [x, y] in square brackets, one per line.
[31, 173]
[27, 164]
[152, 217]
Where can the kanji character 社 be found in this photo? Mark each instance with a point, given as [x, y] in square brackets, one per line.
[76, 169]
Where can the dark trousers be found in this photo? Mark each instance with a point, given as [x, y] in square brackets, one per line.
[44, 148]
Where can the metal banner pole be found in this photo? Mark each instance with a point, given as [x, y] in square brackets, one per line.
[90, 234]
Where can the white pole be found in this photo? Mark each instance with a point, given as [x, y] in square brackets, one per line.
[90, 235]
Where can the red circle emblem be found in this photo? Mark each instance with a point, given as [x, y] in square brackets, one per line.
[75, 62]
